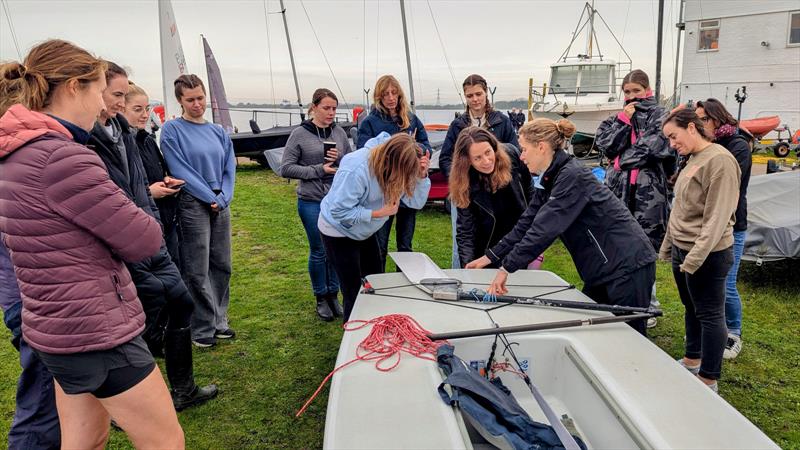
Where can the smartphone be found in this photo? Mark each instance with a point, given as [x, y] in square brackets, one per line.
[327, 145]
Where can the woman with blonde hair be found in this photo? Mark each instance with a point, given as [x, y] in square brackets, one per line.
[490, 188]
[613, 256]
[367, 189]
[391, 113]
[81, 312]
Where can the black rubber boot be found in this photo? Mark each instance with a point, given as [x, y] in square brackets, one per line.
[180, 372]
[333, 304]
[323, 310]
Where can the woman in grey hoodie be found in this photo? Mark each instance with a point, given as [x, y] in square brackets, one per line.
[312, 156]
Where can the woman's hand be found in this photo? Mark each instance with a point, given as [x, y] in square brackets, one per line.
[629, 109]
[388, 209]
[498, 286]
[424, 162]
[159, 189]
[329, 169]
[173, 182]
[479, 263]
[331, 155]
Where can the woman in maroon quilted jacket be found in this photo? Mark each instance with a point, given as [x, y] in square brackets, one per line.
[70, 230]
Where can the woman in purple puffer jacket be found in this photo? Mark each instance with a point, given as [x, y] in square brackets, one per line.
[69, 230]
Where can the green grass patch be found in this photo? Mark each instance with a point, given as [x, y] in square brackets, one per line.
[282, 351]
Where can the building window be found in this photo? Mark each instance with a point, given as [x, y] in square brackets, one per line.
[709, 36]
[794, 28]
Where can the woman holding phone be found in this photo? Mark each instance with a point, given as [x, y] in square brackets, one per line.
[312, 156]
[163, 187]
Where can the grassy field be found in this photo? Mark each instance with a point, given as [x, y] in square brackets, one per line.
[283, 351]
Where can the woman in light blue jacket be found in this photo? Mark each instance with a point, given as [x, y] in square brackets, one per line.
[366, 192]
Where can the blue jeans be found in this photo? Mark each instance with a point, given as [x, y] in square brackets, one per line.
[35, 424]
[320, 269]
[733, 303]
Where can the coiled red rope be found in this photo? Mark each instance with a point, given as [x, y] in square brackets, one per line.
[391, 335]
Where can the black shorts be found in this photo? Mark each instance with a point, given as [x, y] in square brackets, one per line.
[102, 373]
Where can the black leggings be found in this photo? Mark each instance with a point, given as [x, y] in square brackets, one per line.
[703, 295]
[352, 261]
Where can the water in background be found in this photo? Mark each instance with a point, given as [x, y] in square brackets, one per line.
[279, 117]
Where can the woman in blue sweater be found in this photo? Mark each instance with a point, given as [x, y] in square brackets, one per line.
[201, 153]
[392, 114]
[366, 192]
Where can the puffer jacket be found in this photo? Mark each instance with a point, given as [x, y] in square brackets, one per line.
[69, 230]
[638, 173]
[499, 125]
[475, 224]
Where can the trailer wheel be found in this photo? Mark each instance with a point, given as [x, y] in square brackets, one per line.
[781, 150]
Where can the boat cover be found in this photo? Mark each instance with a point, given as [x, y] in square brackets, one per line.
[773, 217]
[491, 405]
[274, 157]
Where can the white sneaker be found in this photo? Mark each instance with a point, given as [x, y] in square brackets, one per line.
[733, 347]
[652, 322]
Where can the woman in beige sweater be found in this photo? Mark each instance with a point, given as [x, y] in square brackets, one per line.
[699, 240]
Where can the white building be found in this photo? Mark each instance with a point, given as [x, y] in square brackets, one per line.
[756, 43]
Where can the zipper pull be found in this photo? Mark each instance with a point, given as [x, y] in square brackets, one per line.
[117, 287]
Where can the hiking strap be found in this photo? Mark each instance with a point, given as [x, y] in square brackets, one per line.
[561, 431]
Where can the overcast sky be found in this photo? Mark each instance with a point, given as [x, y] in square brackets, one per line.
[505, 41]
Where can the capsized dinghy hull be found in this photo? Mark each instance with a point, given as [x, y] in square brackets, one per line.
[619, 389]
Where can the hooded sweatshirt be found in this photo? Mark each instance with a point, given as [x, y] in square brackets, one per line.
[304, 156]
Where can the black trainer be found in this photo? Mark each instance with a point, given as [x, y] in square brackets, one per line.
[227, 333]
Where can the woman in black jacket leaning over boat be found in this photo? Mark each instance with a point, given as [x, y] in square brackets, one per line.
[720, 124]
[164, 188]
[490, 187]
[613, 256]
[308, 159]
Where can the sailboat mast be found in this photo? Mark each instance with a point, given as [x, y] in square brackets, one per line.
[658, 48]
[681, 26]
[163, 72]
[408, 55]
[291, 57]
[591, 31]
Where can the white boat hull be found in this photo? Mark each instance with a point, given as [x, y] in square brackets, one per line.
[586, 120]
[620, 389]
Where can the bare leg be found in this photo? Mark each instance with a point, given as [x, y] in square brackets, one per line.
[147, 415]
[84, 421]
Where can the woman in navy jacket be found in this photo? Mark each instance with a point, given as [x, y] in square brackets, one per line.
[392, 114]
